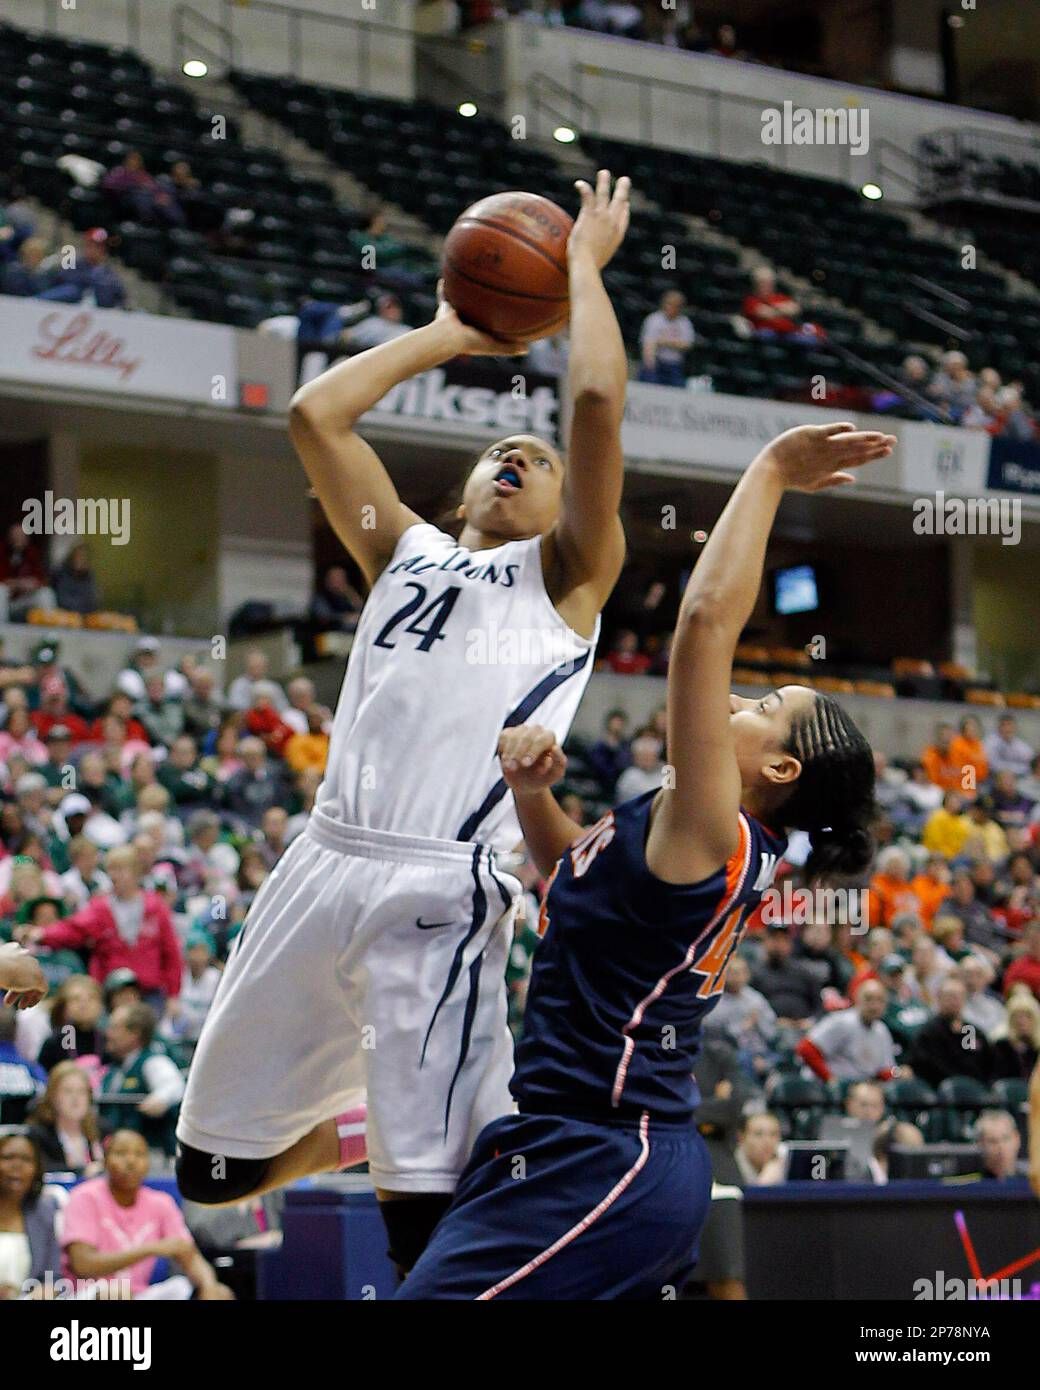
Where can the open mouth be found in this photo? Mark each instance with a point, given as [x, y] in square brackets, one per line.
[507, 481]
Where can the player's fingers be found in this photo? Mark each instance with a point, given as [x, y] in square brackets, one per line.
[833, 480]
[622, 189]
[839, 427]
[603, 187]
[538, 741]
[585, 193]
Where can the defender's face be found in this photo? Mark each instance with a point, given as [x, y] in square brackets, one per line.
[514, 488]
[762, 727]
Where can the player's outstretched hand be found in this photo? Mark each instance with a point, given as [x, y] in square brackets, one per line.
[471, 341]
[812, 457]
[603, 220]
[21, 977]
[531, 758]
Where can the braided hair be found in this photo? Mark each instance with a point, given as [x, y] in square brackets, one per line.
[833, 798]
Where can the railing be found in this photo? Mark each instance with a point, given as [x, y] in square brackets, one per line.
[189, 45]
[301, 24]
[574, 111]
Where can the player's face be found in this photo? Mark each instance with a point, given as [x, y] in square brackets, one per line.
[514, 489]
[761, 729]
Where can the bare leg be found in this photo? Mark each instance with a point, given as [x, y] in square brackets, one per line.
[316, 1152]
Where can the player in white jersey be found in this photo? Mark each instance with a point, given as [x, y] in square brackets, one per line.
[372, 962]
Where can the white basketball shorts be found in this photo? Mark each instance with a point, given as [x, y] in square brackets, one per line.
[369, 962]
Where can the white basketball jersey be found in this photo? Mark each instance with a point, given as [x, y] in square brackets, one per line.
[453, 646]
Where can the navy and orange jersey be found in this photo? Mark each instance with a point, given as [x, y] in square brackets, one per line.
[628, 968]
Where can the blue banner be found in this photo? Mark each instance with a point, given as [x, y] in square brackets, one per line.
[1014, 466]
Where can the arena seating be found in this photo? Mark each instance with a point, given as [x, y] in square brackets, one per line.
[288, 242]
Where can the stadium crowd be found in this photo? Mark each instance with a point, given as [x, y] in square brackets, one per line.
[135, 833]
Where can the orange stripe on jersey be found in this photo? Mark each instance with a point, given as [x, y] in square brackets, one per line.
[543, 915]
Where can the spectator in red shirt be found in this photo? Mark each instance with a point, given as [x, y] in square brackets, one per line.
[1026, 969]
[625, 658]
[54, 709]
[23, 574]
[121, 705]
[263, 721]
[126, 928]
[773, 314]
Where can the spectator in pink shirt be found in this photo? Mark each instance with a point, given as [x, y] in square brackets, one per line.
[124, 928]
[116, 1227]
[19, 736]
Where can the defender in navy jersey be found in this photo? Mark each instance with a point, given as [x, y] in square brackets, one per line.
[599, 1186]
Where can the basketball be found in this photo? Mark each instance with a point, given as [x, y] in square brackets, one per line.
[505, 266]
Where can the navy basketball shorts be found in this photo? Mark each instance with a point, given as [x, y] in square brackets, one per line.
[553, 1207]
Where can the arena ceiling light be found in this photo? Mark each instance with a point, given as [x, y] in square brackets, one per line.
[565, 135]
[871, 191]
[194, 67]
[467, 108]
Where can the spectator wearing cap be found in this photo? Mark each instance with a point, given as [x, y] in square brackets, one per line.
[23, 575]
[18, 736]
[121, 986]
[161, 714]
[1006, 751]
[790, 988]
[982, 1008]
[1025, 969]
[198, 987]
[144, 662]
[904, 1013]
[126, 927]
[85, 877]
[853, 1044]
[256, 786]
[75, 587]
[240, 692]
[46, 663]
[91, 276]
[664, 340]
[58, 769]
[947, 1046]
[203, 704]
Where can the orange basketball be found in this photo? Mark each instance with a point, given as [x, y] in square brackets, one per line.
[505, 266]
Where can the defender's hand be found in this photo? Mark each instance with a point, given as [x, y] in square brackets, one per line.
[531, 758]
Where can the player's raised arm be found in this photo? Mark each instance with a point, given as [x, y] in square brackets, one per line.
[695, 823]
[347, 474]
[588, 538]
[532, 761]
